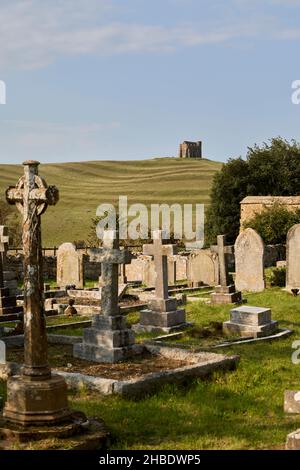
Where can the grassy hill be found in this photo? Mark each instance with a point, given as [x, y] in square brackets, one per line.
[85, 185]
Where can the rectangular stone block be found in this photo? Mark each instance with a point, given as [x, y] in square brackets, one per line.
[11, 311]
[4, 292]
[109, 339]
[162, 319]
[219, 298]
[255, 331]
[225, 289]
[93, 353]
[248, 315]
[7, 302]
[102, 322]
[163, 305]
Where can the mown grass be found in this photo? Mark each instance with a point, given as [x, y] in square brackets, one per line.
[85, 185]
[237, 410]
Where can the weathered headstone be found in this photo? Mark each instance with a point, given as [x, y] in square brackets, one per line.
[8, 302]
[293, 258]
[36, 397]
[249, 261]
[250, 321]
[109, 340]
[162, 314]
[224, 293]
[2, 352]
[70, 266]
[203, 268]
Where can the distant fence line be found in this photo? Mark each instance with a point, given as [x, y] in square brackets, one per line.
[14, 251]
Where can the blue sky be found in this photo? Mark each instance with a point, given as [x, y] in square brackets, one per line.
[130, 79]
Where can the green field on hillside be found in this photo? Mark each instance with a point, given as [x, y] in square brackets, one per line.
[85, 185]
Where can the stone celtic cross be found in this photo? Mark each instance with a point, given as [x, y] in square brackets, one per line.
[32, 197]
[111, 256]
[160, 253]
[222, 250]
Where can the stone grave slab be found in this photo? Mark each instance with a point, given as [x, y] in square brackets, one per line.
[250, 321]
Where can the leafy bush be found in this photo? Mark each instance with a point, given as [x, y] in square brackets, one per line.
[273, 223]
[276, 276]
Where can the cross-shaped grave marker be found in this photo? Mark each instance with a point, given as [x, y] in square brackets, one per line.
[35, 396]
[162, 314]
[109, 340]
[225, 292]
[160, 253]
[222, 250]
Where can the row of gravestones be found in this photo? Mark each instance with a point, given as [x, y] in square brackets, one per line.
[70, 267]
[200, 267]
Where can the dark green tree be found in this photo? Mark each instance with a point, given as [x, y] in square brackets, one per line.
[270, 169]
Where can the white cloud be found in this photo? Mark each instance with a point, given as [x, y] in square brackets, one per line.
[35, 33]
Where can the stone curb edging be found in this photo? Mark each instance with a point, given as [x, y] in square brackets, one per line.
[200, 365]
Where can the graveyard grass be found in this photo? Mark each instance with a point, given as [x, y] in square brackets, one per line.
[238, 410]
[85, 185]
[242, 409]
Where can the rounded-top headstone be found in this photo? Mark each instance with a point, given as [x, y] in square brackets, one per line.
[249, 261]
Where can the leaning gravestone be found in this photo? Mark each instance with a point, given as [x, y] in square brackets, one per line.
[70, 266]
[293, 258]
[249, 261]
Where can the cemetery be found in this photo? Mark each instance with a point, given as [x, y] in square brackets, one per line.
[186, 347]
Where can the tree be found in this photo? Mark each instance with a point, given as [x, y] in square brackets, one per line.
[270, 169]
[273, 223]
[228, 189]
[10, 217]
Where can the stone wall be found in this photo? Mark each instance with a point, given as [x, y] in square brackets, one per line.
[15, 263]
[252, 205]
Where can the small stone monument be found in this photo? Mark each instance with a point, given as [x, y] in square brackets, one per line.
[109, 340]
[70, 266]
[8, 303]
[249, 261]
[162, 314]
[225, 293]
[250, 321]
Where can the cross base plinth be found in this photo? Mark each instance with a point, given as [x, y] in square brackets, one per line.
[36, 403]
[107, 341]
[256, 331]
[166, 322]
[226, 295]
[79, 433]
